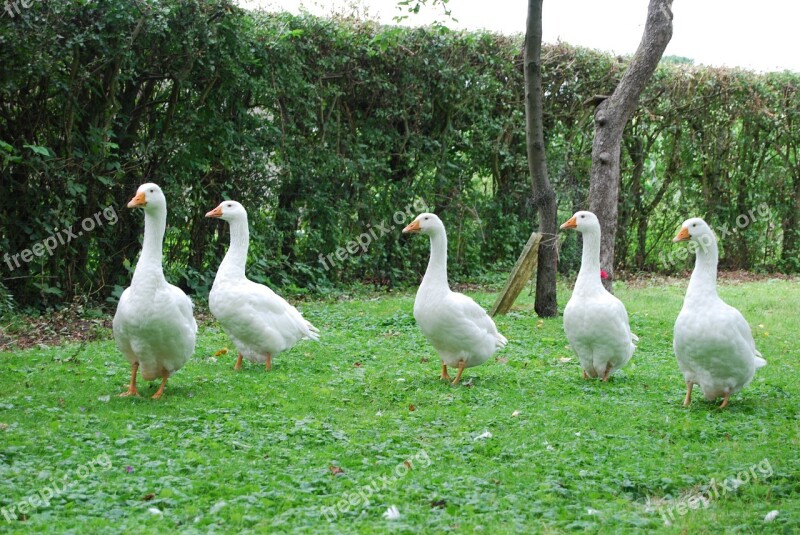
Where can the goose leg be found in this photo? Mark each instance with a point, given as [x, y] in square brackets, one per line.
[688, 399]
[132, 388]
[160, 390]
[607, 372]
[461, 364]
[444, 376]
[268, 365]
[238, 365]
[725, 400]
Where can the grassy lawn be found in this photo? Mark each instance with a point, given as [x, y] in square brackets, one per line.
[341, 430]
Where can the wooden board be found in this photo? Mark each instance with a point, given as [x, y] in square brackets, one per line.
[520, 275]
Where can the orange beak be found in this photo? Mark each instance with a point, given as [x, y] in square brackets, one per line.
[412, 227]
[216, 212]
[683, 235]
[571, 223]
[138, 201]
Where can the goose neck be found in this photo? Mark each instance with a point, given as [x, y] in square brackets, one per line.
[704, 276]
[233, 265]
[436, 274]
[589, 275]
[149, 266]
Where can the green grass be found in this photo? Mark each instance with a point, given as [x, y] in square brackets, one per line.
[255, 451]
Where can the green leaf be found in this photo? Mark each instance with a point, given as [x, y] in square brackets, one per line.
[39, 150]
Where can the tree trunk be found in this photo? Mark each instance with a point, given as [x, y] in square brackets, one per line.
[544, 198]
[610, 118]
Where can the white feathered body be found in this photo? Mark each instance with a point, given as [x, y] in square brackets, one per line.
[154, 326]
[712, 341]
[715, 347]
[456, 326]
[597, 328]
[595, 322]
[256, 319]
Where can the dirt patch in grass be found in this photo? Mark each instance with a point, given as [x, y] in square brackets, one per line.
[71, 324]
[644, 279]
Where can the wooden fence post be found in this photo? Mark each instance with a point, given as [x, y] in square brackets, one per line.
[520, 275]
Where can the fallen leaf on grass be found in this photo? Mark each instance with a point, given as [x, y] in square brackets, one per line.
[412, 408]
[441, 504]
[335, 470]
[148, 497]
[223, 351]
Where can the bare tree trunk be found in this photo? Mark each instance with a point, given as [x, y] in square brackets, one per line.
[610, 118]
[544, 198]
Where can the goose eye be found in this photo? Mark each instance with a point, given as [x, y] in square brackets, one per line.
[583, 216]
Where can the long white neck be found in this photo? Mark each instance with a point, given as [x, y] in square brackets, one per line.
[588, 280]
[233, 265]
[148, 268]
[704, 277]
[436, 274]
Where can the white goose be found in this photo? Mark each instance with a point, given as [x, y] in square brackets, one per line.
[153, 326]
[712, 340]
[595, 322]
[456, 326]
[260, 323]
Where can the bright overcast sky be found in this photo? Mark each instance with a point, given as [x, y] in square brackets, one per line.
[759, 35]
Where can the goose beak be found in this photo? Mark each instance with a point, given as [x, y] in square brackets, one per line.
[683, 235]
[412, 227]
[571, 223]
[138, 201]
[216, 212]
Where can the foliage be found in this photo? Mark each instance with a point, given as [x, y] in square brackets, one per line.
[327, 128]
